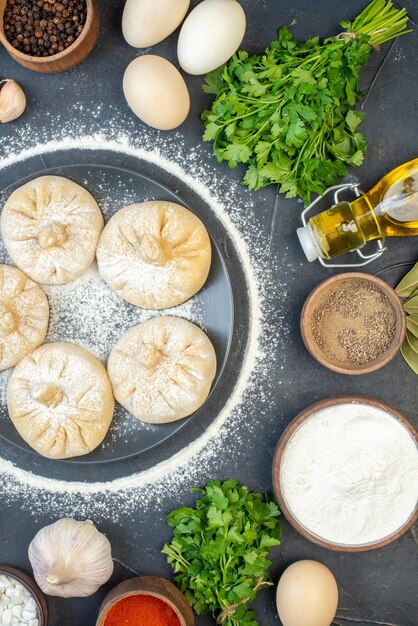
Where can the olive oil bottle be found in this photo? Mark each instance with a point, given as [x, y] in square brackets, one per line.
[389, 209]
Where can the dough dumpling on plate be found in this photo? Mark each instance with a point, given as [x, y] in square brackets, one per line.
[162, 370]
[60, 400]
[24, 315]
[155, 255]
[50, 228]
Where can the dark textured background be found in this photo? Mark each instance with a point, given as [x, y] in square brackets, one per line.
[378, 587]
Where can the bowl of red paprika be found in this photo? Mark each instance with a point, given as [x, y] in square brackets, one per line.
[145, 601]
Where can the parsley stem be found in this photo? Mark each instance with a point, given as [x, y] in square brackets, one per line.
[176, 556]
[287, 114]
[381, 21]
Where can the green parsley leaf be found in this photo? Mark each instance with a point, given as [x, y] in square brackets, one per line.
[219, 550]
[353, 119]
[293, 104]
[357, 158]
[213, 81]
[212, 131]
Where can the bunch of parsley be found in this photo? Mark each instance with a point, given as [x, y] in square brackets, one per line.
[220, 548]
[287, 112]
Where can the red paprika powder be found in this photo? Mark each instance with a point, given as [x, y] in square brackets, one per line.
[141, 610]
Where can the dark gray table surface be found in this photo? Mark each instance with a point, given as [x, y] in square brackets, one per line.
[378, 587]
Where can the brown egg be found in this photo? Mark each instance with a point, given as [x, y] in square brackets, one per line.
[307, 595]
[156, 92]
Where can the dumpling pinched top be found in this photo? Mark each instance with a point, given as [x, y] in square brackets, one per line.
[24, 315]
[162, 370]
[51, 227]
[155, 255]
[60, 400]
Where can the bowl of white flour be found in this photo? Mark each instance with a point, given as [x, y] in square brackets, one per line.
[345, 473]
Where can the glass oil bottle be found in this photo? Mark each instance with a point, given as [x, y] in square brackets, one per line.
[389, 209]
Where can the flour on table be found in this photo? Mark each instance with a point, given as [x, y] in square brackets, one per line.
[87, 311]
[4, 378]
[192, 465]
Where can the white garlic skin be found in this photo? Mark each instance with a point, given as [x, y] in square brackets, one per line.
[70, 559]
[12, 101]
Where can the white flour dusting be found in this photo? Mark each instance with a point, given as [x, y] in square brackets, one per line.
[23, 315]
[163, 369]
[123, 496]
[154, 255]
[349, 474]
[62, 377]
[64, 217]
[4, 377]
[87, 311]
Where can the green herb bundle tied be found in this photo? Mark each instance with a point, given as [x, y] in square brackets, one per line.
[286, 113]
[220, 548]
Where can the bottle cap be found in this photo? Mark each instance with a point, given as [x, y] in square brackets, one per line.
[309, 243]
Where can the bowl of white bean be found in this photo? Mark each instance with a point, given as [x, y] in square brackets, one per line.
[22, 603]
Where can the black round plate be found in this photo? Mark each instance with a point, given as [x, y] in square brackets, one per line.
[114, 187]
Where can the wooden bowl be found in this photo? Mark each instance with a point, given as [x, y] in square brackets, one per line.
[68, 58]
[317, 296]
[152, 586]
[278, 455]
[32, 587]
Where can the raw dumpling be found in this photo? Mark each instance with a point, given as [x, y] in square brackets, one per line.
[50, 228]
[24, 315]
[155, 255]
[162, 370]
[60, 400]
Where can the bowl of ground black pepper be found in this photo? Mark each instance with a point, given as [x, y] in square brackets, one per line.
[49, 35]
[353, 323]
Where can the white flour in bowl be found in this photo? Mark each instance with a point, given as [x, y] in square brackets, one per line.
[349, 474]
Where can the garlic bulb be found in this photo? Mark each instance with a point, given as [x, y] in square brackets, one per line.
[12, 101]
[70, 559]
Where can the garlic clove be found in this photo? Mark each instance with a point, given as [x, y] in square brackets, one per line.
[12, 101]
[70, 559]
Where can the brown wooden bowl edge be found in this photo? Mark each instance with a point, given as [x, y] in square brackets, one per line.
[156, 586]
[390, 353]
[32, 586]
[68, 58]
[278, 454]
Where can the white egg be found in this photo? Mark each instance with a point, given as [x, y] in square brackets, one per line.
[210, 35]
[147, 22]
[156, 92]
[307, 595]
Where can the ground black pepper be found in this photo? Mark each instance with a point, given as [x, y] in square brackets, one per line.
[354, 324]
[42, 28]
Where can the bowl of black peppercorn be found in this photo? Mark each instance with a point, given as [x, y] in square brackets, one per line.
[49, 35]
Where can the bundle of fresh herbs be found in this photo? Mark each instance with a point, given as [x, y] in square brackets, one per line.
[220, 548]
[287, 113]
[408, 289]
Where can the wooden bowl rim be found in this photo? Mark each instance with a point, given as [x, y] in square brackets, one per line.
[16, 54]
[30, 584]
[278, 455]
[109, 604]
[382, 360]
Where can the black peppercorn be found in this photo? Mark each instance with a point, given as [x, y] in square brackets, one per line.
[43, 27]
